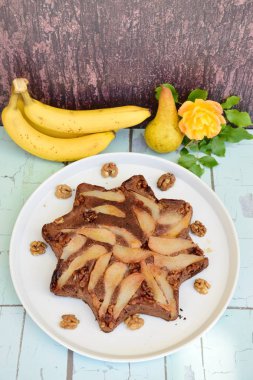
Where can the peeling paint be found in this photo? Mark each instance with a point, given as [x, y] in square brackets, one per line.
[246, 203]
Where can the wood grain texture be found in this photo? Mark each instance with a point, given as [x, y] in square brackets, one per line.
[41, 358]
[11, 325]
[224, 353]
[89, 54]
[228, 347]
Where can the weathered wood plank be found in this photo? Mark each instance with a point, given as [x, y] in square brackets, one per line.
[11, 323]
[20, 174]
[151, 370]
[85, 368]
[41, 357]
[7, 293]
[83, 54]
[186, 364]
[228, 347]
[243, 296]
[120, 143]
[234, 185]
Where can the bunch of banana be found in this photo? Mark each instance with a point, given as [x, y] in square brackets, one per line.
[63, 135]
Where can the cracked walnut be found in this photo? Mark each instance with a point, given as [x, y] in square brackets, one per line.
[109, 170]
[37, 248]
[201, 286]
[198, 228]
[63, 191]
[166, 181]
[134, 322]
[69, 321]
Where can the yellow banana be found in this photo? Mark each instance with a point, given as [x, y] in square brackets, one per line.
[47, 147]
[66, 123]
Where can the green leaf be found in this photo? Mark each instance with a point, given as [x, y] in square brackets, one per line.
[235, 135]
[183, 152]
[226, 131]
[194, 147]
[197, 169]
[186, 140]
[240, 119]
[208, 161]
[168, 85]
[230, 102]
[197, 94]
[205, 146]
[218, 146]
[187, 160]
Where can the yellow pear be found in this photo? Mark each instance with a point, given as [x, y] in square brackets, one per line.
[162, 134]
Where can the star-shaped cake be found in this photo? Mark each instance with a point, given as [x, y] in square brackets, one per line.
[124, 252]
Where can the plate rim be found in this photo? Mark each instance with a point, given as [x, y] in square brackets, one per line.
[140, 357]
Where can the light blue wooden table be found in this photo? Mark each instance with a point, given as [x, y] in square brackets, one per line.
[224, 353]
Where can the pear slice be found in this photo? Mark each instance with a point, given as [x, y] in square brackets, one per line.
[131, 240]
[149, 203]
[170, 217]
[157, 293]
[130, 255]
[176, 263]
[76, 243]
[109, 210]
[98, 270]
[128, 288]
[145, 220]
[91, 253]
[98, 234]
[160, 277]
[175, 230]
[114, 196]
[112, 278]
[168, 246]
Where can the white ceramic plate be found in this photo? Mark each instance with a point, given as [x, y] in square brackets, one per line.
[31, 275]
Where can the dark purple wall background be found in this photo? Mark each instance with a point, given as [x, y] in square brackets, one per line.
[89, 54]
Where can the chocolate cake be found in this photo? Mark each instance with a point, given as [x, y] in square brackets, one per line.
[123, 251]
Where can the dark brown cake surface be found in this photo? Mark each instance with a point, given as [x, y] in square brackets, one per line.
[124, 252]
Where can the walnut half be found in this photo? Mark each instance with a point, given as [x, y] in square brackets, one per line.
[198, 228]
[201, 286]
[37, 247]
[109, 170]
[63, 191]
[166, 181]
[134, 322]
[69, 321]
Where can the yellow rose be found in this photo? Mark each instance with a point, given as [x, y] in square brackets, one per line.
[201, 118]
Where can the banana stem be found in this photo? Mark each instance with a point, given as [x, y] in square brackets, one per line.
[13, 101]
[26, 97]
[19, 86]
